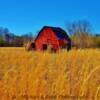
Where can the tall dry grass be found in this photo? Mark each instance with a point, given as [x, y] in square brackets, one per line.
[73, 75]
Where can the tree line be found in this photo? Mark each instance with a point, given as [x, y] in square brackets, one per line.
[8, 39]
[79, 31]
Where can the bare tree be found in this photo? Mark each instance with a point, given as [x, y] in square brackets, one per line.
[81, 26]
[80, 33]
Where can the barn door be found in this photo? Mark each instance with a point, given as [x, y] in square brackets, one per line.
[44, 46]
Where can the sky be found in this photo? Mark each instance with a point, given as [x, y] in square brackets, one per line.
[22, 16]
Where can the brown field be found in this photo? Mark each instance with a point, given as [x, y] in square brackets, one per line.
[73, 75]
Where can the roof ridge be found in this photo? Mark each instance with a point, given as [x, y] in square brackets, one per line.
[51, 27]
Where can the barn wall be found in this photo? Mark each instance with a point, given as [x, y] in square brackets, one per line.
[47, 37]
[63, 43]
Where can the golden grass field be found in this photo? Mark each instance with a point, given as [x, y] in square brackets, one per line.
[73, 75]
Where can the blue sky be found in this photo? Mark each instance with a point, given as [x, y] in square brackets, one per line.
[22, 16]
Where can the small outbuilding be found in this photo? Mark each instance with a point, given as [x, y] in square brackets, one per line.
[53, 38]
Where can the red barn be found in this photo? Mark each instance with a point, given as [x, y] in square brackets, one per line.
[53, 38]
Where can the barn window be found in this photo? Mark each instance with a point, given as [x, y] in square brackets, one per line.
[44, 46]
[33, 45]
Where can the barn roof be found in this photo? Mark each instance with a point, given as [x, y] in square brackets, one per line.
[59, 32]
